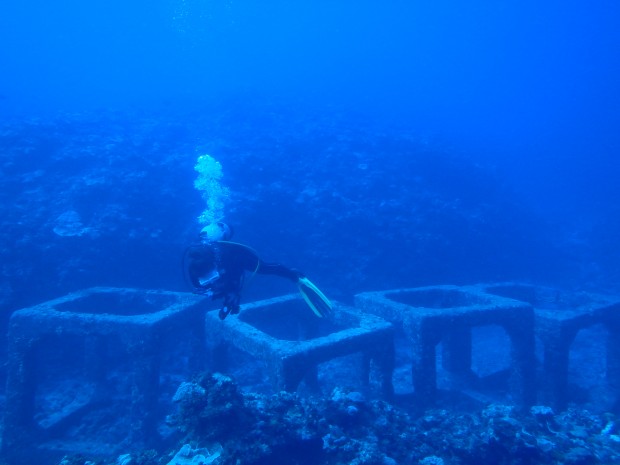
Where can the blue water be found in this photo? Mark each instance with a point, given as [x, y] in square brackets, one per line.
[525, 91]
[373, 145]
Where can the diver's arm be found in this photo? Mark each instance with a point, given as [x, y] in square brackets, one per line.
[245, 258]
[248, 259]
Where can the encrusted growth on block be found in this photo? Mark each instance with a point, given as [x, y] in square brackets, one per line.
[292, 342]
[560, 315]
[430, 315]
[93, 326]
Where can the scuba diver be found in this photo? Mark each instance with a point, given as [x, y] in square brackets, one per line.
[217, 267]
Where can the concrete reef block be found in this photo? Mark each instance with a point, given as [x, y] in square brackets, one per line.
[559, 316]
[88, 324]
[430, 315]
[285, 335]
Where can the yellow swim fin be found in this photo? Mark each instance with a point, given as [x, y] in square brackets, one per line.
[315, 299]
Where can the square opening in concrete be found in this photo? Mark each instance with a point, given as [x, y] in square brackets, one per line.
[289, 320]
[63, 387]
[436, 298]
[490, 350]
[588, 360]
[121, 303]
[540, 297]
[523, 293]
[403, 383]
[341, 371]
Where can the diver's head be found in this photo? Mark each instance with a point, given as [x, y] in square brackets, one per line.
[216, 232]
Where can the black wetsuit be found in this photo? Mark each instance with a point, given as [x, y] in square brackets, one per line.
[218, 269]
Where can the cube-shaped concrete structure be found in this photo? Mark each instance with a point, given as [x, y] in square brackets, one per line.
[559, 316]
[430, 315]
[91, 325]
[291, 341]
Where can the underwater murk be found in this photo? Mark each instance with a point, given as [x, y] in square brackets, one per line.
[327, 232]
